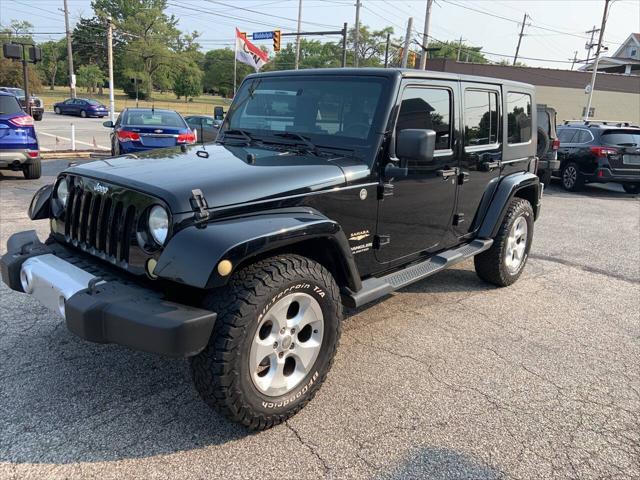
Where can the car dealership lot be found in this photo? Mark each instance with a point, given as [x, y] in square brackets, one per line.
[449, 378]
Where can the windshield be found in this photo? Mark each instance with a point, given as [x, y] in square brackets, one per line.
[629, 138]
[18, 92]
[9, 105]
[154, 118]
[330, 111]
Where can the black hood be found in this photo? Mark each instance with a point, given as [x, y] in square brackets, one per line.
[227, 177]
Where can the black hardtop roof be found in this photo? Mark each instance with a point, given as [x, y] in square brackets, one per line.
[392, 72]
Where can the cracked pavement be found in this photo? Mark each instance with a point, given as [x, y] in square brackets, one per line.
[449, 378]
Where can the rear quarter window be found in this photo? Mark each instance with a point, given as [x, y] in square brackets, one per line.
[8, 105]
[518, 117]
[628, 138]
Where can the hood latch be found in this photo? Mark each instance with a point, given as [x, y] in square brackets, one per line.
[200, 206]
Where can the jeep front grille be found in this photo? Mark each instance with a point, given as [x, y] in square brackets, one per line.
[100, 224]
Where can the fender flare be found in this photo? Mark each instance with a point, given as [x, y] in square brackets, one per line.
[192, 255]
[522, 184]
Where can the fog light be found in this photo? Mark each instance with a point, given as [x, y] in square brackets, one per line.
[224, 268]
[151, 266]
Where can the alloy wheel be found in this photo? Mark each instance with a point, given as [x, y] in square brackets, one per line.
[569, 177]
[516, 244]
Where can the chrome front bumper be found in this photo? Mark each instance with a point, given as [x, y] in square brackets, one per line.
[53, 280]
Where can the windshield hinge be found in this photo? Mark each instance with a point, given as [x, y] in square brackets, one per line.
[200, 206]
[380, 241]
[385, 190]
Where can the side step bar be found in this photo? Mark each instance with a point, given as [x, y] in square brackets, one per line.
[377, 287]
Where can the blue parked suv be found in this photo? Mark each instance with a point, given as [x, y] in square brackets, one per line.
[139, 129]
[19, 149]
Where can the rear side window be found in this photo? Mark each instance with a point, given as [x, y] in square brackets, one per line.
[583, 136]
[622, 138]
[427, 108]
[566, 135]
[9, 104]
[518, 117]
[480, 117]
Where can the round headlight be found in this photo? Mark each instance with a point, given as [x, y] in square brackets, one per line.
[62, 192]
[158, 224]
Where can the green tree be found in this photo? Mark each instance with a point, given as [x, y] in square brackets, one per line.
[468, 53]
[188, 81]
[371, 46]
[90, 76]
[53, 61]
[218, 71]
[313, 54]
[11, 70]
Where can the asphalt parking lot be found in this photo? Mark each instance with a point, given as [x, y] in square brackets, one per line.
[54, 133]
[448, 379]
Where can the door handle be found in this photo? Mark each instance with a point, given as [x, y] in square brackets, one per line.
[445, 174]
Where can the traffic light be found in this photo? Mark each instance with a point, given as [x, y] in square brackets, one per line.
[276, 40]
[412, 60]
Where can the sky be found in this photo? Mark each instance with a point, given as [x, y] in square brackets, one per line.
[554, 29]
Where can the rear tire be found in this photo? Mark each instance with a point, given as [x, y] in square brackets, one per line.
[258, 369]
[632, 188]
[545, 177]
[33, 170]
[572, 179]
[504, 262]
[543, 143]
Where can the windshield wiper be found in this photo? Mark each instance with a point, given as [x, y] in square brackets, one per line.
[236, 131]
[304, 140]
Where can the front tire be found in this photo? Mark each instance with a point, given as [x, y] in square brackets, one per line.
[632, 188]
[83, 114]
[57, 110]
[37, 117]
[33, 170]
[273, 342]
[572, 179]
[504, 262]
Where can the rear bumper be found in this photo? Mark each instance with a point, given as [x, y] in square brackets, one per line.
[606, 175]
[549, 165]
[99, 306]
[15, 157]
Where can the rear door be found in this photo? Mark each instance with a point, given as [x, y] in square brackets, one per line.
[481, 149]
[627, 143]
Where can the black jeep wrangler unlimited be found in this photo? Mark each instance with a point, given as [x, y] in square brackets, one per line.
[324, 188]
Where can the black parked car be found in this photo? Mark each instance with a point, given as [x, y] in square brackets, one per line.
[599, 152]
[324, 188]
[84, 107]
[206, 127]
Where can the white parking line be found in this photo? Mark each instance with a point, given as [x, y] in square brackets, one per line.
[102, 147]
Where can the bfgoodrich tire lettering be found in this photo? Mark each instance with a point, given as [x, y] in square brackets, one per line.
[222, 373]
[491, 265]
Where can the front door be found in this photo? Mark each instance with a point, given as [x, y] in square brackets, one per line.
[416, 218]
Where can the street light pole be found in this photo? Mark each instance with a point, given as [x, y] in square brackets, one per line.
[72, 83]
[112, 103]
[597, 60]
[425, 36]
[298, 36]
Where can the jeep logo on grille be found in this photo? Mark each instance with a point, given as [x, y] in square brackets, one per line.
[101, 188]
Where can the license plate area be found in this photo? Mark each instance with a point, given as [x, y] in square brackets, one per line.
[631, 160]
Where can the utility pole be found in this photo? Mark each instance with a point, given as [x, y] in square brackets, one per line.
[595, 63]
[72, 83]
[425, 36]
[356, 35]
[25, 77]
[575, 59]
[386, 51]
[524, 22]
[344, 44]
[590, 45]
[407, 43]
[459, 48]
[298, 36]
[112, 102]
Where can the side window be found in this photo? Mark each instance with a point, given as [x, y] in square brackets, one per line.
[566, 135]
[583, 136]
[427, 108]
[480, 117]
[518, 117]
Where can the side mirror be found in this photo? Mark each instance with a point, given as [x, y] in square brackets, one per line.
[40, 206]
[108, 124]
[416, 144]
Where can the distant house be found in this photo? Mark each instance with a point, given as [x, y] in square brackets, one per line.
[626, 58]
